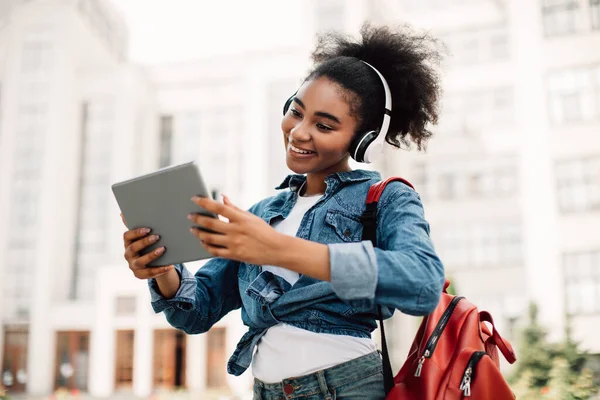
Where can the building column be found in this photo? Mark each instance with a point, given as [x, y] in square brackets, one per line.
[541, 253]
[195, 372]
[102, 341]
[143, 353]
[42, 338]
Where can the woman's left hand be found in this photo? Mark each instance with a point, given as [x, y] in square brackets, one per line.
[245, 237]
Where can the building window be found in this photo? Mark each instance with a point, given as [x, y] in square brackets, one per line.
[480, 246]
[560, 17]
[169, 359]
[72, 360]
[216, 358]
[595, 13]
[476, 179]
[14, 364]
[490, 44]
[582, 282]
[465, 113]
[36, 56]
[97, 128]
[574, 94]
[124, 359]
[186, 130]
[166, 140]
[577, 184]
[499, 45]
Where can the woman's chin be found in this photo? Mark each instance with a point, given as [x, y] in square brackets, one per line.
[296, 167]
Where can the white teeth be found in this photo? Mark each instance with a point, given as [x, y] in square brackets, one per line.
[297, 150]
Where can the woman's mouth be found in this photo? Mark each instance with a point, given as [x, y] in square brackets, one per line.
[300, 153]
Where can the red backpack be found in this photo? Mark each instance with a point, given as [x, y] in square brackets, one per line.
[454, 354]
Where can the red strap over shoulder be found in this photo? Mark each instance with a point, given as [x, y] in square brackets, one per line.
[377, 189]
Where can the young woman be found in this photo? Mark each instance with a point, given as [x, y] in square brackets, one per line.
[307, 286]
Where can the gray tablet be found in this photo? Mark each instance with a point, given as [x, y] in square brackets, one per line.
[162, 201]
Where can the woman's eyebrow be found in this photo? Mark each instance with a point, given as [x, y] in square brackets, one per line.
[300, 103]
[319, 113]
[328, 116]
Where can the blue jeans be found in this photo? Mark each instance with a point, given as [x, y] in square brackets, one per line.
[358, 379]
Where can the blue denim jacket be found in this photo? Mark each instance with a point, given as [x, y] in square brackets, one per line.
[401, 272]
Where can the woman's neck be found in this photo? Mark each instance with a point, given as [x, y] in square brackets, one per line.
[315, 182]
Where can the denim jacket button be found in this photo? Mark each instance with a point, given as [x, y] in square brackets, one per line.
[288, 389]
[347, 233]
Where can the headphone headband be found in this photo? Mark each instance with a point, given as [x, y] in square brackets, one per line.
[371, 143]
[387, 112]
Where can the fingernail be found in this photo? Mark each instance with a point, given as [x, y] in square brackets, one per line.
[144, 231]
[168, 267]
[154, 238]
[159, 251]
[190, 217]
[196, 198]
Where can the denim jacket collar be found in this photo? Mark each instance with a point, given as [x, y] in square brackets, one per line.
[295, 181]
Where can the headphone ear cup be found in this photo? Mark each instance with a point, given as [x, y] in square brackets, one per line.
[287, 104]
[360, 144]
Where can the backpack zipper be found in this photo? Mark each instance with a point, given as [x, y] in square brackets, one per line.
[469, 375]
[433, 339]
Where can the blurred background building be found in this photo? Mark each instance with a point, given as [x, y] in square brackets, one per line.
[510, 182]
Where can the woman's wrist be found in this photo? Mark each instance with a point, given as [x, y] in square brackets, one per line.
[168, 284]
[302, 256]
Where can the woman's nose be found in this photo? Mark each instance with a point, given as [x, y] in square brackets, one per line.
[300, 133]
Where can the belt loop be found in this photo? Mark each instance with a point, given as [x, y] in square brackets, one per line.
[257, 389]
[323, 385]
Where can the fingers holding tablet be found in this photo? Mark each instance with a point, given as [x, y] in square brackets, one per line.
[135, 241]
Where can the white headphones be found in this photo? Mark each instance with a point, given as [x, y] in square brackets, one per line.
[366, 146]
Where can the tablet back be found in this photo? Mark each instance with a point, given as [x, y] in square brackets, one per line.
[161, 201]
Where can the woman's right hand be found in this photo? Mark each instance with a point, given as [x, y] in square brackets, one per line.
[135, 241]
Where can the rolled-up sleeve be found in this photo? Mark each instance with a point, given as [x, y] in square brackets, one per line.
[354, 273]
[202, 299]
[185, 298]
[403, 271]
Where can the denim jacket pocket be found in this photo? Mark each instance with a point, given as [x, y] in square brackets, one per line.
[347, 228]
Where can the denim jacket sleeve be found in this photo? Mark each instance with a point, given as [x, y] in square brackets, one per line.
[402, 272]
[203, 298]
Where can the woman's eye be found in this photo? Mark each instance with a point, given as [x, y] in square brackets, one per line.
[324, 127]
[295, 113]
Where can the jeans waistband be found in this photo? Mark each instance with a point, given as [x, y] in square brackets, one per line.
[324, 380]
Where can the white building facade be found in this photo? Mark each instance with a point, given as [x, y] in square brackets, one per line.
[510, 182]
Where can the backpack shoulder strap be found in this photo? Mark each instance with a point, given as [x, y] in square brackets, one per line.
[369, 216]
[376, 190]
[369, 222]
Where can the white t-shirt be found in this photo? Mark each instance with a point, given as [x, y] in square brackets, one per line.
[286, 351]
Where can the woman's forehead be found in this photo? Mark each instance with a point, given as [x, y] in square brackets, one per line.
[322, 94]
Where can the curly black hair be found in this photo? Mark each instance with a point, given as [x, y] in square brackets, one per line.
[407, 61]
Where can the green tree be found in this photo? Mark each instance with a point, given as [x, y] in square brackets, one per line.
[535, 356]
[564, 384]
[550, 371]
[523, 387]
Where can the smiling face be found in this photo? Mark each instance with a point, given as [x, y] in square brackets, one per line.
[318, 129]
